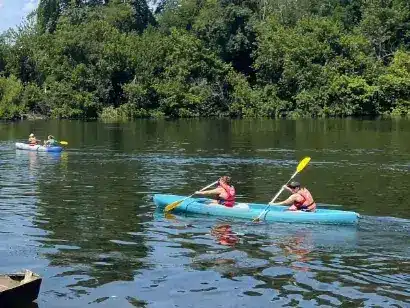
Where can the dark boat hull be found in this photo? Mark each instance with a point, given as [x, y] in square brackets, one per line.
[19, 290]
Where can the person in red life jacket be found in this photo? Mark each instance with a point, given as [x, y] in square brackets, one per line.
[32, 139]
[225, 192]
[300, 200]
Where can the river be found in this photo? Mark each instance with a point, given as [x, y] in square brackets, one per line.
[85, 221]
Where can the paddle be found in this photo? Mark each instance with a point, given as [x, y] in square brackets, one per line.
[174, 204]
[302, 164]
[64, 142]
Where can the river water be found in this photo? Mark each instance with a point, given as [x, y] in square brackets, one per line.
[85, 221]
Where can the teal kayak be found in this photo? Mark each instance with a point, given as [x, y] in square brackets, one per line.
[250, 211]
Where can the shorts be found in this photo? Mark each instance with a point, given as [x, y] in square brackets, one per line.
[222, 202]
[304, 208]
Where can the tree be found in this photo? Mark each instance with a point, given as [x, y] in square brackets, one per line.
[10, 93]
[395, 85]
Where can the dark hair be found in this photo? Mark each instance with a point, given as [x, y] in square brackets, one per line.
[226, 179]
[294, 185]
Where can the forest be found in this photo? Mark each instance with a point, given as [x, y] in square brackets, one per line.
[127, 59]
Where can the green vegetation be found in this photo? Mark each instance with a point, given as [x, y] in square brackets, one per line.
[188, 58]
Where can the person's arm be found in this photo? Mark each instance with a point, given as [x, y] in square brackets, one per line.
[288, 201]
[215, 191]
[287, 188]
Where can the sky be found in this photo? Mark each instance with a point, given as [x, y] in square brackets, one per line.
[13, 12]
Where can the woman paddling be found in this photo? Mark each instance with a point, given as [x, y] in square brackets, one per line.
[225, 192]
[300, 200]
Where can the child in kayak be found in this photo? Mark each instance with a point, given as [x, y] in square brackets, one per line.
[225, 192]
[32, 139]
[300, 200]
[50, 141]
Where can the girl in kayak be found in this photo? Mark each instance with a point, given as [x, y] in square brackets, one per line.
[225, 192]
[50, 141]
[300, 200]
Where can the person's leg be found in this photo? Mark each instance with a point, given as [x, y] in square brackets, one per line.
[207, 201]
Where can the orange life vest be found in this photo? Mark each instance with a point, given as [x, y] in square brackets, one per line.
[307, 199]
[230, 191]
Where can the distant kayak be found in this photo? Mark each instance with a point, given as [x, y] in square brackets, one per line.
[38, 148]
[252, 210]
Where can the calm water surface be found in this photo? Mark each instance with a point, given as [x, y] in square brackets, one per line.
[84, 219]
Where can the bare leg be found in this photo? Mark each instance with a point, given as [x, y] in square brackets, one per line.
[292, 208]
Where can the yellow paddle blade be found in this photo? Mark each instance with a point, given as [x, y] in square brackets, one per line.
[303, 163]
[172, 205]
[64, 142]
[170, 216]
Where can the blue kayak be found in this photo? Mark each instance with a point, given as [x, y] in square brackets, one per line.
[252, 210]
[38, 148]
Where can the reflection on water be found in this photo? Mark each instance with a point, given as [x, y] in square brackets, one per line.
[298, 245]
[84, 218]
[224, 235]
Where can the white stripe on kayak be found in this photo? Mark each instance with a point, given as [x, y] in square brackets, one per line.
[244, 206]
[241, 206]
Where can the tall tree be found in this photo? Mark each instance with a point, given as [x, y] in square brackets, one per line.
[49, 11]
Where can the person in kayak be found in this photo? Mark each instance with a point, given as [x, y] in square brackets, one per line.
[300, 200]
[225, 192]
[50, 142]
[32, 139]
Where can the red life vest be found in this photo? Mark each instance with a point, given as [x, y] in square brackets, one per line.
[229, 201]
[307, 199]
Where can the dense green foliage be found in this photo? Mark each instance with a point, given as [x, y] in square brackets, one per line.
[187, 58]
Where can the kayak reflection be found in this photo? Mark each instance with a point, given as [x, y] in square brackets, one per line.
[224, 235]
[298, 245]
